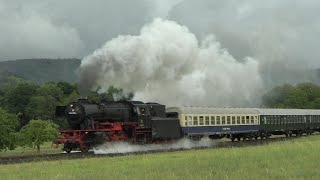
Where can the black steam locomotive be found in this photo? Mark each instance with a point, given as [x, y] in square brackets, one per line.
[133, 121]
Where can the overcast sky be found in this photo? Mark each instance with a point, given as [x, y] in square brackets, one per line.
[72, 28]
[279, 34]
[75, 28]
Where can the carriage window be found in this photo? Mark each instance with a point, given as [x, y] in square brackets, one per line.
[195, 120]
[238, 119]
[247, 119]
[212, 120]
[218, 119]
[190, 120]
[185, 120]
[252, 119]
[223, 120]
[243, 120]
[201, 120]
[228, 119]
[233, 120]
[285, 120]
[207, 120]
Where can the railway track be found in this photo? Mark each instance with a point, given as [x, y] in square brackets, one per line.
[78, 155]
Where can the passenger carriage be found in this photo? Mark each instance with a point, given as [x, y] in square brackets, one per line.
[289, 121]
[245, 123]
[197, 122]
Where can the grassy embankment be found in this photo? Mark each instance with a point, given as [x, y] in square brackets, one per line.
[294, 159]
[45, 149]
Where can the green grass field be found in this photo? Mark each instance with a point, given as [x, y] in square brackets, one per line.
[45, 149]
[295, 159]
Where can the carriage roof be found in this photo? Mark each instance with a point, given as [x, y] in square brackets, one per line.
[251, 111]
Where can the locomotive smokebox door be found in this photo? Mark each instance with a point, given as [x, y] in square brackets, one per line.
[60, 111]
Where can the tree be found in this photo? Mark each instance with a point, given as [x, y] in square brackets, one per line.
[277, 95]
[41, 107]
[8, 124]
[17, 98]
[312, 90]
[66, 88]
[72, 97]
[50, 89]
[302, 96]
[37, 132]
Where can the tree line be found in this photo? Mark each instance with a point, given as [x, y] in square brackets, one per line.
[300, 96]
[27, 110]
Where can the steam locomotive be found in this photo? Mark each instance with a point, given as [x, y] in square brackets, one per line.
[143, 123]
[133, 121]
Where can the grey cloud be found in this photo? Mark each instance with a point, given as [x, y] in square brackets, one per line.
[282, 35]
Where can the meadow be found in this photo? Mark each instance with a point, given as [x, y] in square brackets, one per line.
[46, 148]
[296, 158]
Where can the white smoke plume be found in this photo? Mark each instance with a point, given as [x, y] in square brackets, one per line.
[166, 63]
[124, 147]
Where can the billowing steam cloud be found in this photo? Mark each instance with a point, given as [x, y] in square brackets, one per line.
[168, 64]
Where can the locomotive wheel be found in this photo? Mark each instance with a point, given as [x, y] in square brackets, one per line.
[68, 150]
[232, 138]
[84, 149]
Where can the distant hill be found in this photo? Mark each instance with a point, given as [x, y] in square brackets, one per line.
[42, 70]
